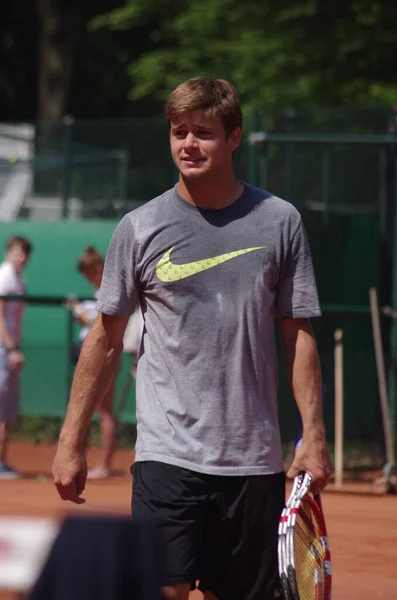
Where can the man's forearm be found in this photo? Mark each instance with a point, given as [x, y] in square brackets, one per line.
[94, 373]
[304, 372]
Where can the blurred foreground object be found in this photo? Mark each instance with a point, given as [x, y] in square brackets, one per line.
[102, 558]
[24, 547]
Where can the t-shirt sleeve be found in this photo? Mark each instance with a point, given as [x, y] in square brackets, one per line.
[118, 293]
[6, 283]
[296, 293]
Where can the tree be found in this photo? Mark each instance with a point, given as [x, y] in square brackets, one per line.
[60, 25]
[280, 55]
[17, 60]
[51, 64]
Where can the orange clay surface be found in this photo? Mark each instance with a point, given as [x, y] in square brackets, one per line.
[362, 528]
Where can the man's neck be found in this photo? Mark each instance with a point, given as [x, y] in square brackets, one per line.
[210, 194]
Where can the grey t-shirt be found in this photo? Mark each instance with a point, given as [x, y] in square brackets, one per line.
[209, 283]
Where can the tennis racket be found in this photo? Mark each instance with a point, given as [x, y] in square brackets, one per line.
[283, 530]
[303, 548]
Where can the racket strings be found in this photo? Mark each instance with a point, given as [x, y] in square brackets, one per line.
[309, 554]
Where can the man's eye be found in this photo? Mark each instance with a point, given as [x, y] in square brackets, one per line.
[180, 133]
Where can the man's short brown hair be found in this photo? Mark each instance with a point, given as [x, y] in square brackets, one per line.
[18, 240]
[210, 96]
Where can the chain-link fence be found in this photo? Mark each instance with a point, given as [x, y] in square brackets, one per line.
[338, 167]
[49, 368]
[88, 169]
[49, 362]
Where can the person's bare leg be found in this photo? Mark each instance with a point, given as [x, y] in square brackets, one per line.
[108, 432]
[176, 592]
[4, 428]
[108, 428]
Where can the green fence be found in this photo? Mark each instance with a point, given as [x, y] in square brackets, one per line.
[48, 372]
[345, 186]
[52, 275]
[343, 183]
[112, 165]
[47, 330]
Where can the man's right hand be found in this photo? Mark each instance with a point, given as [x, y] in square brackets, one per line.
[16, 360]
[69, 470]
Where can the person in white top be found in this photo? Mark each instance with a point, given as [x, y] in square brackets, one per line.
[132, 338]
[90, 265]
[12, 283]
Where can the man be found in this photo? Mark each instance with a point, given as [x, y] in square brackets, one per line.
[18, 250]
[210, 262]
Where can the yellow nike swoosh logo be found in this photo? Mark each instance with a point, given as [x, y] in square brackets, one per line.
[168, 272]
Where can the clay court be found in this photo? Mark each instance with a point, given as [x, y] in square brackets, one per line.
[362, 527]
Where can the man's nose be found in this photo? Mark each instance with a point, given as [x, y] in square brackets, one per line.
[190, 141]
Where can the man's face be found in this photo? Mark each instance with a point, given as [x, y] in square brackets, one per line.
[17, 256]
[199, 146]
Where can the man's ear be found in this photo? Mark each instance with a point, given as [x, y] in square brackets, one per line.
[235, 139]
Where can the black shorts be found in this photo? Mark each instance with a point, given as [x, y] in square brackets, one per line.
[218, 530]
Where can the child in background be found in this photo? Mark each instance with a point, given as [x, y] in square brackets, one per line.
[132, 338]
[90, 265]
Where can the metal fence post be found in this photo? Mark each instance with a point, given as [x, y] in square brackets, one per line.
[289, 163]
[123, 181]
[393, 329]
[383, 192]
[392, 129]
[67, 164]
[325, 168]
[252, 149]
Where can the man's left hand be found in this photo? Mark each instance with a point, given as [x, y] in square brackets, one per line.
[313, 458]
